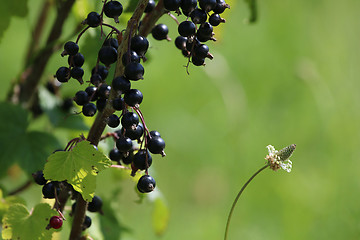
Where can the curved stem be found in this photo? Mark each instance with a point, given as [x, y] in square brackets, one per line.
[237, 198]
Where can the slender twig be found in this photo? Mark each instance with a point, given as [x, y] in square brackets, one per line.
[21, 188]
[237, 198]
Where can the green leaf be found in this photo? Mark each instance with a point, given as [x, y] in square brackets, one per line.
[7, 201]
[160, 215]
[79, 167]
[9, 9]
[18, 223]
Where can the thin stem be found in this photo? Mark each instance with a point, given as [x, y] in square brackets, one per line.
[237, 198]
[21, 188]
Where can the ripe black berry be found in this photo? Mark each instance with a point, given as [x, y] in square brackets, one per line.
[70, 48]
[207, 5]
[130, 120]
[56, 222]
[39, 178]
[172, 5]
[115, 154]
[198, 16]
[96, 79]
[205, 32]
[156, 145]
[48, 190]
[142, 159]
[112, 42]
[133, 97]
[215, 19]
[220, 6]
[150, 6]
[134, 71]
[104, 91]
[89, 109]
[139, 44]
[107, 55]
[129, 158]
[113, 121]
[101, 103]
[135, 134]
[87, 222]
[95, 204]
[113, 9]
[187, 28]
[155, 134]
[101, 70]
[118, 104]
[77, 73]
[197, 61]
[63, 74]
[92, 93]
[201, 51]
[77, 60]
[180, 42]
[160, 31]
[146, 184]
[131, 56]
[93, 19]
[81, 98]
[124, 144]
[121, 84]
[188, 6]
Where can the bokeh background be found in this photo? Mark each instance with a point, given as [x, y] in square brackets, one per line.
[292, 77]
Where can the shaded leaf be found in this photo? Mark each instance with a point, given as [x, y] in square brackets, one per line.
[7, 201]
[18, 223]
[79, 167]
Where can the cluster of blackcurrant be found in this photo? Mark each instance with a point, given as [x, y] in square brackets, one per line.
[204, 15]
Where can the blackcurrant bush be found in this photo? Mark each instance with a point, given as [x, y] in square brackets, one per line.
[92, 93]
[89, 109]
[112, 42]
[101, 70]
[63, 74]
[131, 56]
[39, 178]
[113, 121]
[81, 98]
[77, 60]
[113, 9]
[156, 145]
[198, 16]
[87, 222]
[101, 104]
[146, 184]
[133, 97]
[107, 55]
[135, 134]
[115, 155]
[134, 71]
[150, 6]
[56, 222]
[172, 5]
[207, 5]
[139, 44]
[187, 28]
[93, 19]
[130, 120]
[103, 90]
[95, 204]
[124, 144]
[70, 48]
[121, 84]
[160, 32]
[188, 6]
[118, 104]
[142, 159]
[180, 42]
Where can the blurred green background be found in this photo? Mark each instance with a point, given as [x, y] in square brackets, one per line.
[293, 77]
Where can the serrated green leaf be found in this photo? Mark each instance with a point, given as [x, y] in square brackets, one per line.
[9, 9]
[79, 167]
[7, 201]
[160, 216]
[18, 223]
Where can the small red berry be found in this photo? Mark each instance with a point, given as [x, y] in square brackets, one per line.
[56, 222]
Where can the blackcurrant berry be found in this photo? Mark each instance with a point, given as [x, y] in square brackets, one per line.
[160, 32]
[197, 61]
[113, 121]
[134, 71]
[121, 84]
[205, 32]
[215, 19]
[77, 73]
[142, 159]
[89, 109]
[155, 134]
[101, 104]
[207, 5]
[172, 5]
[150, 6]
[135, 134]
[124, 144]
[56, 222]
[201, 51]
[112, 42]
[49, 188]
[101, 70]
[87, 222]
[131, 56]
[115, 155]
[77, 60]
[129, 158]
[96, 79]
[198, 16]
[133, 97]
[70, 48]
[81, 98]
[107, 55]
[103, 90]
[92, 93]
[187, 28]
[188, 6]
[93, 19]
[63, 74]
[156, 145]
[39, 178]
[220, 6]
[113, 9]
[67, 104]
[118, 104]
[95, 204]
[130, 120]
[139, 44]
[146, 184]
[180, 42]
